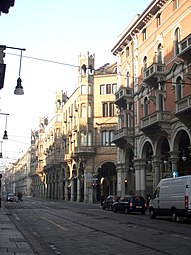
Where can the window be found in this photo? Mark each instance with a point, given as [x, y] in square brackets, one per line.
[83, 139]
[89, 139]
[83, 90]
[176, 4]
[102, 89]
[146, 110]
[161, 102]
[178, 88]
[176, 41]
[107, 138]
[105, 110]
[108, 88]
[127, 52]
[89, 111]
[111, 109]
[108, 109]
[144, 34]
[158, 19]
[159, 53]
[145, 62]
[83, 111]
[114, 88]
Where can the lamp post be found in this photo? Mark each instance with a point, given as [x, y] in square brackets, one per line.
[5, 136]
[18, 88]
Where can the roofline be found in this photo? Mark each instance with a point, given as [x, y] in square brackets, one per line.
[139, 23]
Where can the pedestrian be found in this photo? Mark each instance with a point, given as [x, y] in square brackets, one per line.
[19, 195]
[102, 199]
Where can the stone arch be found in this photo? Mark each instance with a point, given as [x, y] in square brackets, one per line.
[181, 145]
[106, 177]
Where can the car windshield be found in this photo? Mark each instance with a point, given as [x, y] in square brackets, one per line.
[11, 195]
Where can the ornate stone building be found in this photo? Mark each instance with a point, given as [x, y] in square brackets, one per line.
[75, 156]
[153, 98]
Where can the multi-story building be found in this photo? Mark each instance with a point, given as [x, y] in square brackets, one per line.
[153, 98]
[18, 178]
[76, 158]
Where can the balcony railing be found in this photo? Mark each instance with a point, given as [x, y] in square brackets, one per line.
[123, 136]
[123, 95]
[156, 120]
[185, 48]
[183, 109]
[84, 149]
[155, 70]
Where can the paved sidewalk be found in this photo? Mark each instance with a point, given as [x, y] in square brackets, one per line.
[12, 241]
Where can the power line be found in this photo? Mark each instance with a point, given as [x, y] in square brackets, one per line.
[44, 60]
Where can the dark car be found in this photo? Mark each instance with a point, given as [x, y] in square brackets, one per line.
[11, 197]
[129, 204]
[108, 202]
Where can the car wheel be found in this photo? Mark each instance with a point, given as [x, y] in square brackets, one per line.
[114, 209]
[152, 213]
[173, 216]
[103, 207]
[143, 212]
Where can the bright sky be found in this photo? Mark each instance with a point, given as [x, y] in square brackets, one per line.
[56, 30]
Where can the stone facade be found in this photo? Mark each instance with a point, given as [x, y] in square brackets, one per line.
[153, 96]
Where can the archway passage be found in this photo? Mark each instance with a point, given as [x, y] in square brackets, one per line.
[107, 181]
[184, 159]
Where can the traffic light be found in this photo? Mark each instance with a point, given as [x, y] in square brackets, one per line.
[2, 75]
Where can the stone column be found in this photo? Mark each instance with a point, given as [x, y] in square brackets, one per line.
[66, 190]
[120, 180]
[174, 158]
[156, 165]
[140, 177]
[78, 190]
[72, 190]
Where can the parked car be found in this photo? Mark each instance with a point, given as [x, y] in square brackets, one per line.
[11, 197]
[129, 204]
[108, 202]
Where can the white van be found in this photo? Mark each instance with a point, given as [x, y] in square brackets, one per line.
[172, 197]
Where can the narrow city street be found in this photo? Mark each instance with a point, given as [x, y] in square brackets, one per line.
[58, 227]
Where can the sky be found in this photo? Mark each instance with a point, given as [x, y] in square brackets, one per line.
[56, 31]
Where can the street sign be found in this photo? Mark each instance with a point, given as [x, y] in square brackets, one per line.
[174, 174]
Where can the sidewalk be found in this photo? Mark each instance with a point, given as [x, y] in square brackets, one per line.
[12, 241]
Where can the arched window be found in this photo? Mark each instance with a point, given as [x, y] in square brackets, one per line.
[159, 53]
[178, 88]
[146, 108]
[176, 41]
[161, 102]
[145, 62]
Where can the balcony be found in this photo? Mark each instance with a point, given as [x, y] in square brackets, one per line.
[123, 96]
[159, 120]
[153, 72]
[123, 136]
[183, 109]
[84, 150]
[185, 49]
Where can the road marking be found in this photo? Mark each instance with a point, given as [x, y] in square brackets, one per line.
[16, 217]
[65, 229]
